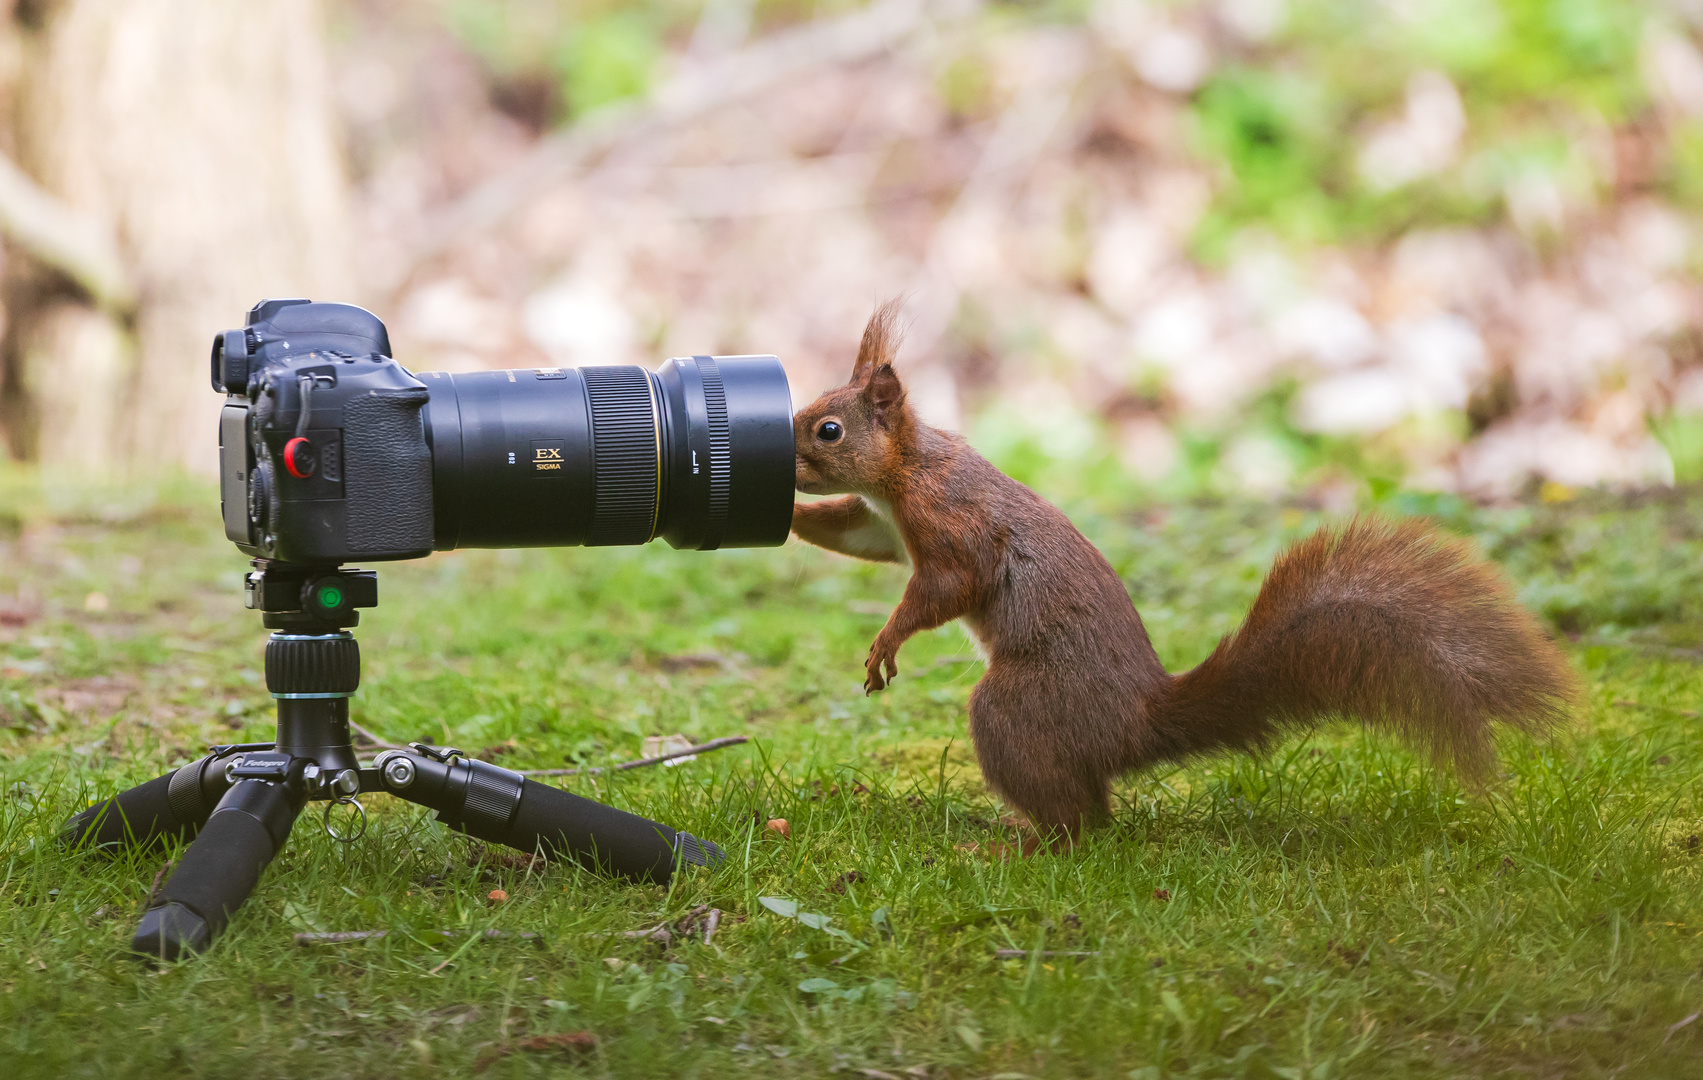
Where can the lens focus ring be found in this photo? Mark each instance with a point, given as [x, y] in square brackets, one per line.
[721, 446]
[624, 455]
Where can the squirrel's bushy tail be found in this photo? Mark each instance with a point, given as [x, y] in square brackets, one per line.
[1390, 624]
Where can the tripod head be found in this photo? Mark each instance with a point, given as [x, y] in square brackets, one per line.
[308, 599]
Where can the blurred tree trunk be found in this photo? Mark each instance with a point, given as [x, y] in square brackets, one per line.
[200, 134]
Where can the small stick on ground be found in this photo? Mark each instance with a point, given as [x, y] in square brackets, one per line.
[658, 933]
[368, 737]
[154, 889]
[702, 748]
[339, 937]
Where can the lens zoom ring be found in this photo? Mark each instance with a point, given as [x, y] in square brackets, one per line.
[721, 447]
[623, 442]
[326, 665]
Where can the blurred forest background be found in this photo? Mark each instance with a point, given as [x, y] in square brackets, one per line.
[1295, 248]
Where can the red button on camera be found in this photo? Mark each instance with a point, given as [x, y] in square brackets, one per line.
[298, 458]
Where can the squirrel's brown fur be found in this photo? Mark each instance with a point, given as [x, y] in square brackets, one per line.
[1391, 624]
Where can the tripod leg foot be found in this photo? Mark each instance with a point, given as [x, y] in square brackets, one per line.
[219, 870]
[171, 933]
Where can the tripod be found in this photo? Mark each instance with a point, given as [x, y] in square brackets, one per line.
[239, 802]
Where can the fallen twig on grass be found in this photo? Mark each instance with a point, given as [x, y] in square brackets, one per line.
[1689, 714]
[658, 933]
[368, 737]
[1024, 954]
[714, 744]
[340, 937]
[703, 748]
[703, 917]
[154, 889]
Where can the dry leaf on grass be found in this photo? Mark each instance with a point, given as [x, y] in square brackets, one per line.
[565, 1044]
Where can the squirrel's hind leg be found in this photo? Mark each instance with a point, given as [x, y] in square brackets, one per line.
[1031, 763]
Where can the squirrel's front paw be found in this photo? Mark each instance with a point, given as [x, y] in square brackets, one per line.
[881, 658]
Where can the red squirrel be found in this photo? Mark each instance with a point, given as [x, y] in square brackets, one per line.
[1389, 623]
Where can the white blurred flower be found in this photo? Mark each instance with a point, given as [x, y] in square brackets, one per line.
[1357, 402]
[1087, 336]
[1657, 236]
[933, 392]
[1432, 364]
[1260, 465]
[1535, 201]
[1442, 358]
[1147, 448]
[1438, 269]
[1263, 277]
[1503, 459]
[1129, 252]
[1688, 392]
[1213, 381]
[1166, 56]
[1176, 329]
[1173, 59]
[1253, 20]
[580, 320]
[1424, 142]
[1565, 345]
[1327, 331]
[1673, 70]
[451, 313]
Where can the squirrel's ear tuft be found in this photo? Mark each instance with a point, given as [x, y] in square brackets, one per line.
[880, 342]
[884, 393]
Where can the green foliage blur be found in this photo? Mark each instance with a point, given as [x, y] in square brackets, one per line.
[1282, 124]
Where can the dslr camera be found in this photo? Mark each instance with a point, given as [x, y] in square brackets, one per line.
[330, 451]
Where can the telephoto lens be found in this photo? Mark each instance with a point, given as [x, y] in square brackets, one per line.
[698, 452]
[330, 451]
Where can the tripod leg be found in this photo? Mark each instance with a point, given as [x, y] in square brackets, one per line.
[219, 870]
[504, 807]
[172, 806]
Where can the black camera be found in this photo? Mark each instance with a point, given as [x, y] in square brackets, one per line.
[330, 451]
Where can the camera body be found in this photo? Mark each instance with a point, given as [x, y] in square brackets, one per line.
[330, 451]
[323, 454]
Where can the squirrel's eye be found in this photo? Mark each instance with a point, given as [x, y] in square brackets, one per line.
[829, 431]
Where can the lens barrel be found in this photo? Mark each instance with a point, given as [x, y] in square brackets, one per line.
[699, 452]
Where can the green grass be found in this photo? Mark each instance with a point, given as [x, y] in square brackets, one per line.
[1333, 910]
